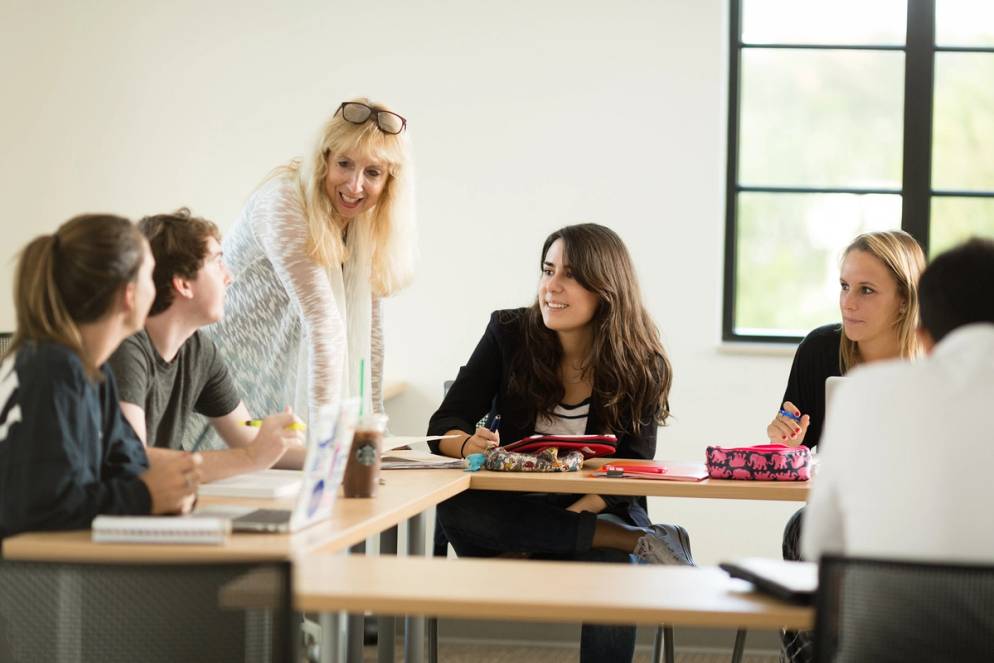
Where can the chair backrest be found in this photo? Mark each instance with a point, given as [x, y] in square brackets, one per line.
[884, 611]
[487, 417]
[5, 339]
[155, 612]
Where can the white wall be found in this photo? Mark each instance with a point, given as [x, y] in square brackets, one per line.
[524, 115]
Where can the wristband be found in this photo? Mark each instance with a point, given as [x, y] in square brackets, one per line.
[462, 449]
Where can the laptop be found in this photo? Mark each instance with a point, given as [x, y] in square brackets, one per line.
[329, 439]
[832, 385]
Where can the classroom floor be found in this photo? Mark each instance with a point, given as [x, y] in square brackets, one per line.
[497, 653]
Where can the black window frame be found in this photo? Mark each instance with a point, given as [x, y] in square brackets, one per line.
[916, 191]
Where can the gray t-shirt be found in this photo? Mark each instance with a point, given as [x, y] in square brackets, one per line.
[196, 380]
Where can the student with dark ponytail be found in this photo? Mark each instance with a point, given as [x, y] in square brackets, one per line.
[66, 453]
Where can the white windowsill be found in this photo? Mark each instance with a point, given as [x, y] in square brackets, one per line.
[757, 349]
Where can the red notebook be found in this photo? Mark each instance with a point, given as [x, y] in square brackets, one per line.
[653, 470]
[591, 446]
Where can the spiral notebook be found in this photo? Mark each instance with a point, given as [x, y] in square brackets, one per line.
[161, 529]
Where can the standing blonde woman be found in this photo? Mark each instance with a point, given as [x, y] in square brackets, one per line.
[312, 253]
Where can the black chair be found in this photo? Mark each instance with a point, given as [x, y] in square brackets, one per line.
[110, 613]
[896, 611]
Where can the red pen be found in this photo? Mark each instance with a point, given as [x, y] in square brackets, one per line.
[645, 469]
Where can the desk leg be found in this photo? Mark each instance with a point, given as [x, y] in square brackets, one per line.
[414, 627]
[386, 626]
[739, 648]
[333, 637]
[355, 628]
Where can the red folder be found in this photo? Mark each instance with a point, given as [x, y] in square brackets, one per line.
[653, 470]
[591, 446]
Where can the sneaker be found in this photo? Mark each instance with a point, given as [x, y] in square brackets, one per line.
[665, 544]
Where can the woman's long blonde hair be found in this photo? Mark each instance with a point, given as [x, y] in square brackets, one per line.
[392, 220]
[905, 260]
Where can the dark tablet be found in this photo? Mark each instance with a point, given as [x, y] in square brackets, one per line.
[796, 582]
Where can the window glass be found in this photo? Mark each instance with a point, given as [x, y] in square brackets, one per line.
[963, 122]
[956, 219]
[788, 256]
[841, 22]
[821, 118]
[964, 23]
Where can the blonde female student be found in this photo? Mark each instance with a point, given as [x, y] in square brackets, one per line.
[315, 248]
[66, 452]
[585, 357]
[878, 303]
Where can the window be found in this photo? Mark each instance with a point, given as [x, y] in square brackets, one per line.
[848, 116]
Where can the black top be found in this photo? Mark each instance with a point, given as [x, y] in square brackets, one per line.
[483, 382]
[66, 452]
[169, 392]
[816, 360]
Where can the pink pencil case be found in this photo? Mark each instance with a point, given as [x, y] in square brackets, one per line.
[763, 462]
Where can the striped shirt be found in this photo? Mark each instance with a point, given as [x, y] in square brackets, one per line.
[564, 420]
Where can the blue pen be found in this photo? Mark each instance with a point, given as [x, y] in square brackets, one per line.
[494, 423]
[790, 415]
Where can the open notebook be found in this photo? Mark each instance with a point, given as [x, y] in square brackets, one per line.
[267, 484]
[328, 440]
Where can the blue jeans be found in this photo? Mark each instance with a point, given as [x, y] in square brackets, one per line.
[481, 523]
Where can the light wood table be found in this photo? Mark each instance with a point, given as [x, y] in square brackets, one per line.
[583, 483]
[540, 591]
[404, 495]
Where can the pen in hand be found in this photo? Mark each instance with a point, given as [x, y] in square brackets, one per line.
[256, 423]
[790, 415]
[492, 427]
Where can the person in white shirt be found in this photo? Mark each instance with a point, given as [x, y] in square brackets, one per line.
[901, 473]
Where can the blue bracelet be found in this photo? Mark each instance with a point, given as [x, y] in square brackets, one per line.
[790, 415]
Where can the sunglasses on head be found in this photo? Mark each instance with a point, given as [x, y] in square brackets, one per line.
[356, 113]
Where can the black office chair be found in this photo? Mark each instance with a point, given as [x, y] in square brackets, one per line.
[896, 611]
[110, 613]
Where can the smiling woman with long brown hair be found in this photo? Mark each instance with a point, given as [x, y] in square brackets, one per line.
[585, 357]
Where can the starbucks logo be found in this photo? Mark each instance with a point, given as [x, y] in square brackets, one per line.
[366, 454]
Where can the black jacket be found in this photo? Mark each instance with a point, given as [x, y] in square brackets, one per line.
[66, 451]
[483, 382]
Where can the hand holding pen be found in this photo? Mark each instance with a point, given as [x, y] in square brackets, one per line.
[483, 439]
[789, 426]
[277, 433]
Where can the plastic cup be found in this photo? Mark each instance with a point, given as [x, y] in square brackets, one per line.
[362, 471]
